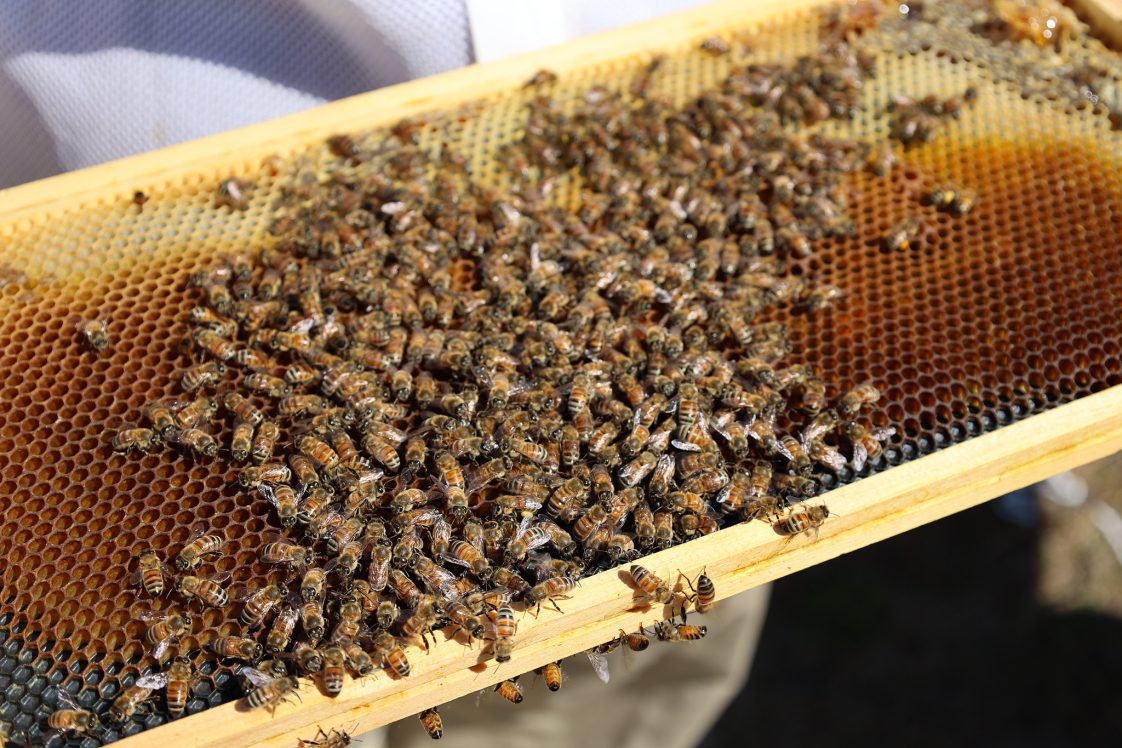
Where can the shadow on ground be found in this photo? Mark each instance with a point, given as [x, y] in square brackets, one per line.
[932, 638]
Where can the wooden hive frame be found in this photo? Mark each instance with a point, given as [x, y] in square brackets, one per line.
[737, 558]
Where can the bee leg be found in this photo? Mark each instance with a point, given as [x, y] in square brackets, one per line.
[552, 602]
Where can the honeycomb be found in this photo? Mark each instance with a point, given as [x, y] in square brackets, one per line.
[989, 318]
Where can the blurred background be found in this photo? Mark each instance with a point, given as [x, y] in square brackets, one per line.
[999, 626]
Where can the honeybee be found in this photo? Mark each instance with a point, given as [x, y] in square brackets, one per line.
[196, 440]
[416, 626]
[264, 441]
[312, 584]
[268, 385]
[505, 627]
[131, 699]
[258, 604]
[236, 647]
[199, 546]
[638, 469]
[213, 344]
[241, 441]
[796, 454]
[298, 406]
[163, 629]
[408, 593]
[349, 621]
[308, 659]
[489, 472]
[270, 472]
[510, 690]
[233, 192]
[208, 591]
[269, 691]
[462, 553]
[286, 553]
[71, 718]
[96, 333]
[430, 720]
[424, 390]
[526, 538]
[194, 414]
[283, 499]
[378, 570]
[150, 572]
[850, 403]
[179, 677]
[867, 444]
[202, 375]
[135, 439]
[550, 591]
[460, 614]
[318, 451]
[510, 580]
[381, 450]
[160, 417]
[590, 521]
[901, 235]
[552, 675]
[637, 641]
[802, 519]
[621, 547]
[333, 739]
[714, 46]
[704, 594]
[650, 587]
[669, 631]
[541, 78]
[280, 633]
[312, 620]
[952, 199]
[393, 657]
[664, 529]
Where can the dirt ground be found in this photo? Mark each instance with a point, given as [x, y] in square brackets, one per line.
[971, 631]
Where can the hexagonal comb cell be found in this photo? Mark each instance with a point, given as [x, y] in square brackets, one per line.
[986, 318]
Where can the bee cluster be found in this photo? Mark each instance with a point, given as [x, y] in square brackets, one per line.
[460, 399]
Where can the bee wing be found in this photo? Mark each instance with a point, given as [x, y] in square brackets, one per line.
[523, 526]
[721, 422]
[453, 560]
[152, 615]
[477, 483]
[539, 539]
[860, 456]
[830, 457]
[154, 681]
[540, 564]
[477, 541]
[442, 580]
[883, 433]
[599, 664]
[685, 446]
[268, 492]
[658, 440]
[254, 676]
[782, 449]
[159, 650]
[304, 325]
[66, 701]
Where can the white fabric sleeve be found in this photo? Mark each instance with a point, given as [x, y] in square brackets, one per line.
[86, 82]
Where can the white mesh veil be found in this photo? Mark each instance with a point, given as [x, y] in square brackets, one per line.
[86, 82]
